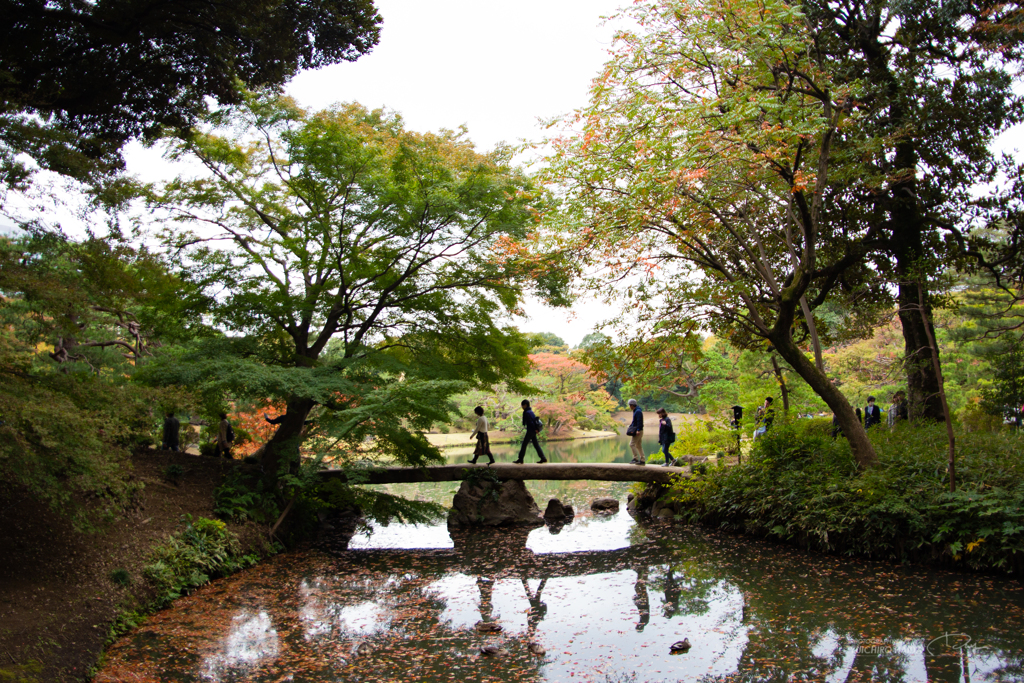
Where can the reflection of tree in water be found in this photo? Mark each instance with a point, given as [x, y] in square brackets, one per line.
[684, 593]
[870, 620]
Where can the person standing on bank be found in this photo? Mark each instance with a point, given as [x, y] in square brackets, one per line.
[171, 430]
[225, 435]
[898, 409]
[764, 417]
[483, 443]
[666, 435]
[872, 414]
[533, 425]
[635, 432]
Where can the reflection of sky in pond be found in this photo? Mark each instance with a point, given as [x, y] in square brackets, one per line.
[586, 532]
[252, 638]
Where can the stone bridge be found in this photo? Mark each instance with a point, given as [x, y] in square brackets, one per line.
[593, 471]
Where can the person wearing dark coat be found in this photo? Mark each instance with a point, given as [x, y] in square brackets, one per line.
[171, 430]
[666, 435]
[872, 414]
[532, 424]
[635, 432]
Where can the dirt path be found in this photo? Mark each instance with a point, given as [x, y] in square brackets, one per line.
[57, 599]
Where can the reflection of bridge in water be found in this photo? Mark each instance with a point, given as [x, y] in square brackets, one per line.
[474, 555]
[561, 471]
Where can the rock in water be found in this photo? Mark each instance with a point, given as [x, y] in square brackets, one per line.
[493, 503]
[556, 512]
[604, 506]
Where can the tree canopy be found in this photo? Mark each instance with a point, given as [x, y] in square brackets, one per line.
[356, 265]
[699, 172]
[779, 172]
[79, 79]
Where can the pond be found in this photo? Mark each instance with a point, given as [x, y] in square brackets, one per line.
[604, 597]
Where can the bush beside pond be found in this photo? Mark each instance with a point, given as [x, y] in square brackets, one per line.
[800, 486]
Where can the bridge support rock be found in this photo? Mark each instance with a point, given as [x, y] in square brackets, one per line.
[652, 502]
[494, 503]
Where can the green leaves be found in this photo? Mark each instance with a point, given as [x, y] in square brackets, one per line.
[358, 267]
[802, 486]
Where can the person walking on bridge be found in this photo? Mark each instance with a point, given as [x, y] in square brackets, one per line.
[533, 425]
[666, 435]
[636, 433]
[483, 443]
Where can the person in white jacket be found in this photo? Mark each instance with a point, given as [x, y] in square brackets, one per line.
[483, 444]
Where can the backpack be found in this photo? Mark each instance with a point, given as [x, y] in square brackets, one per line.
[231, 433]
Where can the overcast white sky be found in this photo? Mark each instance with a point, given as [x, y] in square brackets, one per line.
[497, 68]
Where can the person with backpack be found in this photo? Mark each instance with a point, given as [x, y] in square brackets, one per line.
[225, 437]
[533, 425]
[635, 432]
[666, 435]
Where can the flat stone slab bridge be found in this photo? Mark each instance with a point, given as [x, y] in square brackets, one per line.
[593, 471]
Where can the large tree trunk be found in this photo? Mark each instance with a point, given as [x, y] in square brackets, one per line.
[906, 241]
[782, 383]
[283, 447]
[863, 451]
[922, 382]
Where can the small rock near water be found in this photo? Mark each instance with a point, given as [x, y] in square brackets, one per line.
[556, 511]
[604, 505]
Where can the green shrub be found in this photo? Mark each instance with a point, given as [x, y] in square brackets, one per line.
[68, 438]
[801, 486]
[696, 439]
[974, 418]
[202, 551]
[240, 500]
[173, 474]
[121, 577]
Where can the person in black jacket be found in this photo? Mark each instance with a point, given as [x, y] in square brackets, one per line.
[635, 432]
[172, 428]
[872, 414]
[666, 435]
[532, 424]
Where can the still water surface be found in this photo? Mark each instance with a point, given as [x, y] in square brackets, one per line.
[603, 596]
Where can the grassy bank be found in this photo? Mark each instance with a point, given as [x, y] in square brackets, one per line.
[800, 486]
